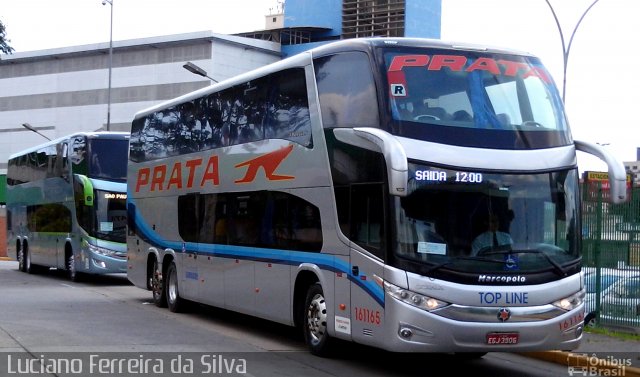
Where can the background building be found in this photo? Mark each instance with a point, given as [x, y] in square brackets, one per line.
[52, 93]
[301, 24]
[60, 91]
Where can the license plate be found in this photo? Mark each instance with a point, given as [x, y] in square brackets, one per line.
[498, 338]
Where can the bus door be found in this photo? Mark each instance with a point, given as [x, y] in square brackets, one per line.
[367, 266]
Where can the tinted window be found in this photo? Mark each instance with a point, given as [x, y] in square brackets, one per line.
[358, 179]
[346, 91]
[49, 218]
[275, 106]
[46, 162]
[108, 159]
[493, 100]
[258, 218]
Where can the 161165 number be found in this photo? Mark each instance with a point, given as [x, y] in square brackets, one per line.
[367, 315]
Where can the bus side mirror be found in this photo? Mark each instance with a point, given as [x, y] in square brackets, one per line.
[617, 173]
[87, 189]
[375, 139]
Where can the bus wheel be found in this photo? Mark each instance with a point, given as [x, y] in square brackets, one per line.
[315, 321]
[28, 267]
[21, 259]
[156, 284]
[174, 301]
[72, 272]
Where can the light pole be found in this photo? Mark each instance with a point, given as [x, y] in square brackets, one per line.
[110, 2]
[197, 70]
[31, 128]
[567, 49]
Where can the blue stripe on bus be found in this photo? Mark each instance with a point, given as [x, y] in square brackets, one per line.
[277, 256]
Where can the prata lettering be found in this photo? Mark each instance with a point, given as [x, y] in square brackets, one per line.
[160, 178]
[457, 63]
[504, 298]
[184, 175]
[501, 279]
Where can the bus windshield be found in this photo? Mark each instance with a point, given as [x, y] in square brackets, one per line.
[108, 159]
[111, 215]
[495, 100]
[482, 222]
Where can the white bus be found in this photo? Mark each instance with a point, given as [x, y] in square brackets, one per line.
[341, 190]
[66, 204]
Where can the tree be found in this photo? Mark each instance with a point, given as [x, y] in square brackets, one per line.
[4, 42]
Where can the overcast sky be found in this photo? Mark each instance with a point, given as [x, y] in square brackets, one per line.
[603, 88]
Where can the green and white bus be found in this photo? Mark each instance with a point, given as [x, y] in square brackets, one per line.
[341, 191]
[66, 204]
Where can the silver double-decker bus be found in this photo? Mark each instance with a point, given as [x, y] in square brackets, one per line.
[66, 204]
[408, 194]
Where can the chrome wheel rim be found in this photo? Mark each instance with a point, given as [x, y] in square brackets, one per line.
[317, 318]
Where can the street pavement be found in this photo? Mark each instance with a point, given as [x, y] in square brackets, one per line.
[597, 355]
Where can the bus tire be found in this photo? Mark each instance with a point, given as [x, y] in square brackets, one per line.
[70, 264]
[20, 256]
[156, 284]
[174, 301]
[314, 323]
[28, 267]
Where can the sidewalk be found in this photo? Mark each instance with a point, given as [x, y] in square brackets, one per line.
[598, 355]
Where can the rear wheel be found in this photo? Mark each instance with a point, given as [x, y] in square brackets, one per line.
[315, 321]
[156, 285]
[28, 266]
[21, 258]
[174, 301]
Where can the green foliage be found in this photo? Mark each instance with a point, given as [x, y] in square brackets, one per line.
[4, 42]
[625, 335]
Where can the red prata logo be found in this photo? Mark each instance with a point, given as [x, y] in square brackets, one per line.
[458, 62]
[161, 178]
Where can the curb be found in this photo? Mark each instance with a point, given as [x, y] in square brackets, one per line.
[582, 364]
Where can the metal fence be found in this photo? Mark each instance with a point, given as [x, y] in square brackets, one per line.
[611, 258]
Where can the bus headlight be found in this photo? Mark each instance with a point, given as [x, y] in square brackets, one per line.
[100, 250]
[571, 302]
[412, 298]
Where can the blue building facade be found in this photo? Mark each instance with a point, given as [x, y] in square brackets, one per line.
[308, 24]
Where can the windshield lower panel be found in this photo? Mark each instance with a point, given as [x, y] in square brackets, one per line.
[462, 225]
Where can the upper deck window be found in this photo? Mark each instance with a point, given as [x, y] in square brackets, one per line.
[346, 90]
[497, 101]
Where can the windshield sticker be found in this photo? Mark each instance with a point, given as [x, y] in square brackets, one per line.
[432, 248]
[106, 226]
